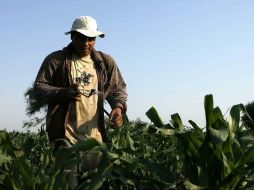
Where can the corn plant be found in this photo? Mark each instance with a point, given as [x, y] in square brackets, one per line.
[219, 157]
[139, 155]
[141, 158]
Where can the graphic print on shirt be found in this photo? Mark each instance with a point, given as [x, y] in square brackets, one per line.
[84, 81]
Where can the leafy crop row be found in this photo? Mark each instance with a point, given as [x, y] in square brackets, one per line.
[138, 156]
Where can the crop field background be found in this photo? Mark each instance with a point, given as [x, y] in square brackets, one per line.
[140, 155]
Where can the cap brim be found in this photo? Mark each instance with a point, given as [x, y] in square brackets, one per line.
[88, 33]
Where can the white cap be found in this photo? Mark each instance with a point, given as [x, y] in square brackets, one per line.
[87, 26]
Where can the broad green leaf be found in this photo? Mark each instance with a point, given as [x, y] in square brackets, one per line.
[127, 159]
[167, 132]
[195, 126]
[4, 136]
[234, 120]
[27, 173]
[97, 180]
[45, 160]
[125, 120]
[69, 164]
[247, 139]
[231, 182]
[84, 145]
[243, 109]
[189, 185]
[217, 115]
[227, 165]
[227, 149]
[218, 136]
[4, 158]
[250, 156]
[208, 110]
[153, 115]
[177, 122]
[125, 136]
[157, 169]
[124, 175]
[122, 138]
[113, 156]
[186, 145]
[196, 140]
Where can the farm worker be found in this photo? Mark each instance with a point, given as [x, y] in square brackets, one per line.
[75, 81]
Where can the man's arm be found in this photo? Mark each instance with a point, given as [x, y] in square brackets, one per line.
[46, 90]
[116, 91]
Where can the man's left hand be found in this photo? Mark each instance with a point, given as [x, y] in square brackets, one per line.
[116, 117]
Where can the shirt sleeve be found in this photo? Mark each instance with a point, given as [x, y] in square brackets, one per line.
[45, 89]
[116, 86]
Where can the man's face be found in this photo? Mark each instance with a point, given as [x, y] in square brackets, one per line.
[82, 44]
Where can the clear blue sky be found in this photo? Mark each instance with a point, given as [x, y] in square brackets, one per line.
[171, 53]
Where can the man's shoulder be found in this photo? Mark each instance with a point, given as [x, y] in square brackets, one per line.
[54, 59]
[56, 54]
[105, 57]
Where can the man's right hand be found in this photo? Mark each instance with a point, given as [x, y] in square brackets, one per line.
[69, 94]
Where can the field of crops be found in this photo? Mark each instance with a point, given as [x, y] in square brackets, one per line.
[157, 155]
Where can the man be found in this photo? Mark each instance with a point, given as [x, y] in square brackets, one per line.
[75, 81]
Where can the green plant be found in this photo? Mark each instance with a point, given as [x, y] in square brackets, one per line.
[248, 117]
[221, 157]
[137, 156]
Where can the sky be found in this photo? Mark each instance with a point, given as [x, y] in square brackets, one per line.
[170, 53]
